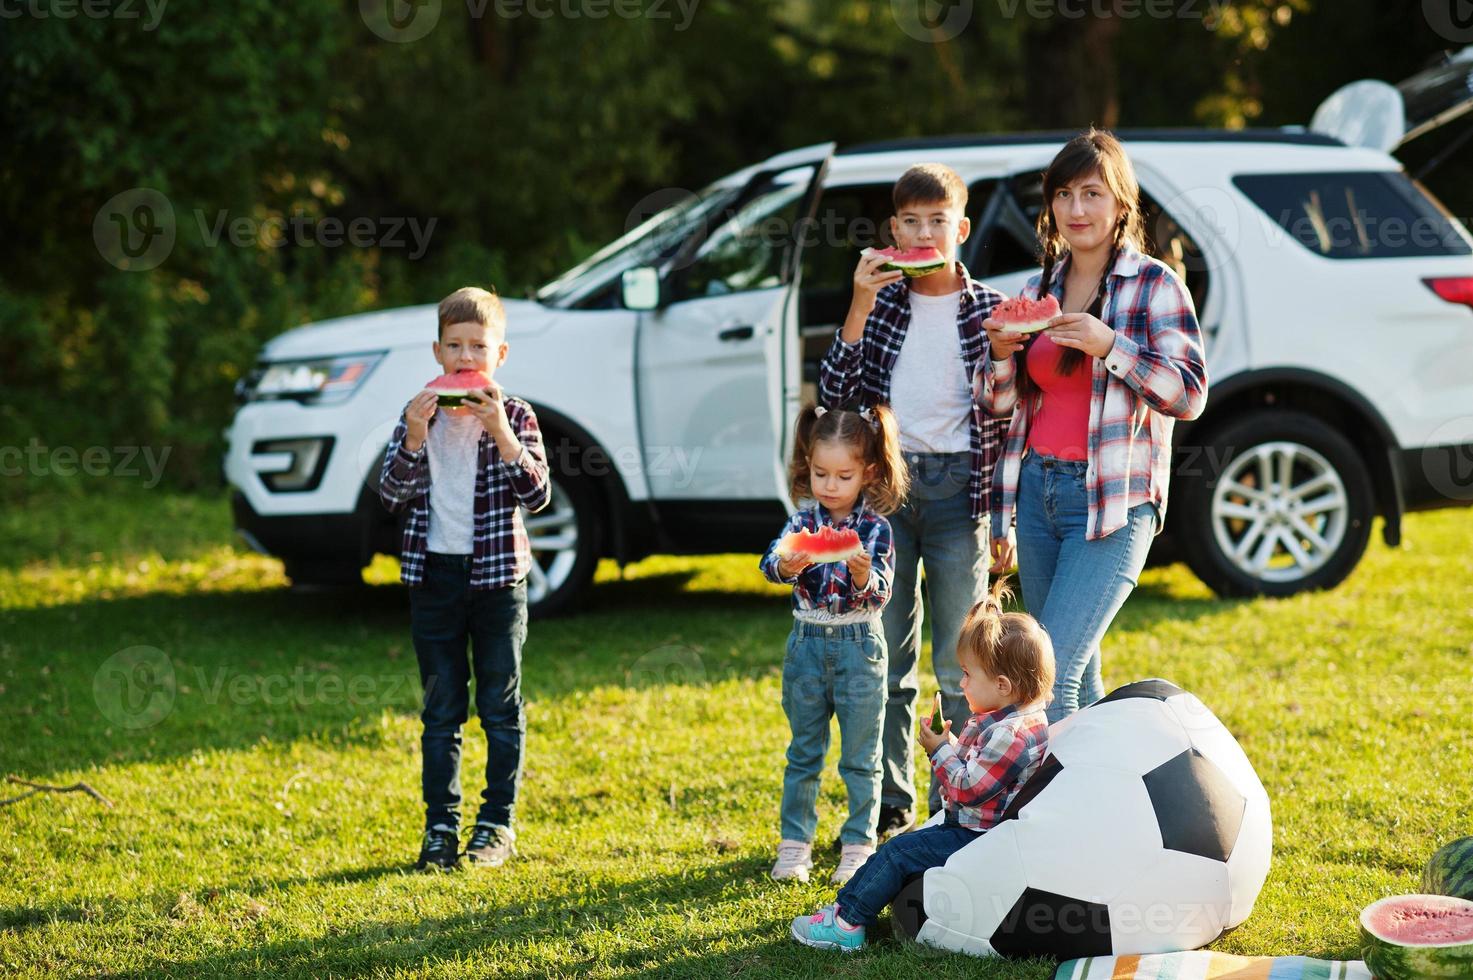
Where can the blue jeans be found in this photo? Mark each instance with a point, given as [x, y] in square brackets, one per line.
[444, 613]
[828, 671]
[934, 529]
[880, 879]
[1073, 586]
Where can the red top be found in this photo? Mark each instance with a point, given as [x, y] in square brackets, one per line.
[1060, 428]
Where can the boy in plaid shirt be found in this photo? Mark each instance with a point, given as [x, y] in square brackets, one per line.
[465, 475]
[1007, 675]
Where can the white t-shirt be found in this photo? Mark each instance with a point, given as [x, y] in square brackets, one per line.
[453, 445]
[930, 392]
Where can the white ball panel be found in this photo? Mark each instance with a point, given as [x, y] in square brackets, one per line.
[976, 888]
[1134, 735]
[1183, 901]
[1087, 832]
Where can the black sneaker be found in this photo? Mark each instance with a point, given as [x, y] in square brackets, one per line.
[893, 820]
[439, 852]
[489, 847]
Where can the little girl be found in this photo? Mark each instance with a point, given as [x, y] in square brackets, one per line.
[1007, 665]
[849, 464]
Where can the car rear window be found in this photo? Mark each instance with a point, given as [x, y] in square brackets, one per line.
[1357, 215]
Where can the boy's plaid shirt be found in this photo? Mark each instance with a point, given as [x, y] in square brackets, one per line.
[1155, 374]
[501, 554]
[994, 755]
[860, 373]
[826, 587]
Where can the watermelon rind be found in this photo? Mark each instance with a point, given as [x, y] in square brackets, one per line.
[1450, 872]
[913, 270]
[1389, 959]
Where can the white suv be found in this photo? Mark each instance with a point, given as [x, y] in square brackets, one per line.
[1336, 296]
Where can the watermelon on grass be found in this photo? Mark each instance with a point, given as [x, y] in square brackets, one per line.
[451, 389]
[1418, 937]
[913, 262]
[1450, 872]
[1025, 315]
[824, 545]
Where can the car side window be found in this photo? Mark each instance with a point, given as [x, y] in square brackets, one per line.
[748, 251]
[1165, 238]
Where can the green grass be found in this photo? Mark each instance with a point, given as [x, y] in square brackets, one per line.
[264, 824]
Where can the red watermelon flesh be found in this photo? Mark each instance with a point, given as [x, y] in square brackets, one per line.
[452, 388]
[824, 545]
[1025, 315]
[913, 262]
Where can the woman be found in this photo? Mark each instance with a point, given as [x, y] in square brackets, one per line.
[1094, 397]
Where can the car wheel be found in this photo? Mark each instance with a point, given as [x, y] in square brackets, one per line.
[1276, 503]
[564, 538]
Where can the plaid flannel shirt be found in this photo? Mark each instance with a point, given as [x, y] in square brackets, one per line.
[861, 372]
[824, 591]
[1156, 373]
[501, 554]
[992, 759]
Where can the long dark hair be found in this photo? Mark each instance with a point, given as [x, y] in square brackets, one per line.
[1091, 152]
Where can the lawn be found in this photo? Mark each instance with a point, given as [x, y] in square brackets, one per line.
[266, 813]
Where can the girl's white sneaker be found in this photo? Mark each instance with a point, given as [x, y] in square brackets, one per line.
[851, 859]
[794, 859]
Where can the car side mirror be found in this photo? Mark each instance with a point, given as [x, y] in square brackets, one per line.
[641, 288]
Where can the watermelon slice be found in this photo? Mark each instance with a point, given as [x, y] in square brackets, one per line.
[1025, 315]
[452, 389]
[824, 545]
[1450, 872]
[914, 262]
[1418, 937]
[938, 721]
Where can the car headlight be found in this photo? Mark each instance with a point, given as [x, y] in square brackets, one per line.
[319, 380]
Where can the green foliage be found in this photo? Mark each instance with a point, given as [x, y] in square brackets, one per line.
[517, 142]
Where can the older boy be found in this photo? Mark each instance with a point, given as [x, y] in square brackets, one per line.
[915, 343]
[466, 474]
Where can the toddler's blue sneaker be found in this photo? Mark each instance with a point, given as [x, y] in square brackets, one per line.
[820, 931]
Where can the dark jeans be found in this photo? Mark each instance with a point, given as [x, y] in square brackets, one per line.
[444, 614]
[880, 879]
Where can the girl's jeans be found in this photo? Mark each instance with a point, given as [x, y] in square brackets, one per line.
[1072, 586]
[828, 671]
[880, 879]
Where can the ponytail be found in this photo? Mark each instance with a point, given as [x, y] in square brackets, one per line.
[1009, 644]
[872, 434]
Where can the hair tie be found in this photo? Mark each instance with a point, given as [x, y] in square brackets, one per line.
[869, 417]
[818, 412]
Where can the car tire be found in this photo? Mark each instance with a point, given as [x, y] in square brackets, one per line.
[323, 575]
[1274, 503]
[565, 546]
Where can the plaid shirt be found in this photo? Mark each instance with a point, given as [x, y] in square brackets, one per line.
[860, 372]
[824, 591]
[1155, 374]
[992, 759]
[501, 554]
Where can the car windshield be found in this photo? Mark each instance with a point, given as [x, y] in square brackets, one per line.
[646, 244]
